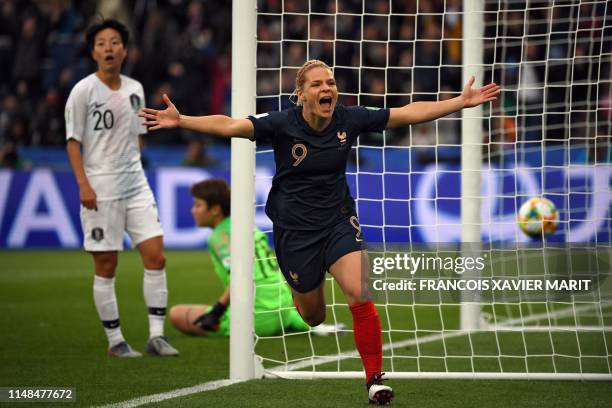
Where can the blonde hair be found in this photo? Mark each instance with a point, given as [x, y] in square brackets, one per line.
[299, 77]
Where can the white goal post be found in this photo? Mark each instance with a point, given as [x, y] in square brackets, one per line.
[242, 362]
[471, 148]
[548, 130]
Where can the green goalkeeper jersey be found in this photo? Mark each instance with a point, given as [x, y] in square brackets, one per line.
[271, 293]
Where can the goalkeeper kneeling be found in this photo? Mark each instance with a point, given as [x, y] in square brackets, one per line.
[274, 311]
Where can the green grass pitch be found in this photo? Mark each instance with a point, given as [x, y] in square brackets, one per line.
[50, 336]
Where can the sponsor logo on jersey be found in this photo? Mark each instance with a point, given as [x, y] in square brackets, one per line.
[295, 277]
[342, 139]
[97, 234]
[135, 101]
[372, 108]
[98, 105]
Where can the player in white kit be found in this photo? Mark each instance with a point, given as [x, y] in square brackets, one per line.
[102, 118]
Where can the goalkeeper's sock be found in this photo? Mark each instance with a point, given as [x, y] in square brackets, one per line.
[106, 305]
[368, 337]
[156, 298]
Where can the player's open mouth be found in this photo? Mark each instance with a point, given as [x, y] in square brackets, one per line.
[325, 102]
[109, 58]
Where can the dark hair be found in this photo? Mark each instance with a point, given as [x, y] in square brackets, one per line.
[94, 29]
[215, 192]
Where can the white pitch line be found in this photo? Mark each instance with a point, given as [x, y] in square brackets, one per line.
[181, 392]
[274, 372]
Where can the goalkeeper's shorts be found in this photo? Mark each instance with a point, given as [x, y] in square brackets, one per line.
[305, 256]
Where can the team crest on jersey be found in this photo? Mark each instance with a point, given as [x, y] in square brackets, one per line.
[135, 101]
[342, 139]
[295, 277]
[97, 234]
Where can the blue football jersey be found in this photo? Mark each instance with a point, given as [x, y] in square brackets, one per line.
[309, 190]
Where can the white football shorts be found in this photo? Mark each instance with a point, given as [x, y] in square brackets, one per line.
[137, 215]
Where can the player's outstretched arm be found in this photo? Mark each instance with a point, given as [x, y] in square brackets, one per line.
[418, 112]
[217, 125]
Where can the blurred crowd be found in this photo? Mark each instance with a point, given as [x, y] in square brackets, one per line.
[553, 65]
[179, 47]
[385, 53]
[555, 68]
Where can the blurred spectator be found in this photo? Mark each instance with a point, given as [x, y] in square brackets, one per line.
[8, 42]
[530, 92]
[8, 115]
[155, 51]
[197, 155]
[9, 158]
[162, 136]
[601, 145]
[113, 9]
[29, 55]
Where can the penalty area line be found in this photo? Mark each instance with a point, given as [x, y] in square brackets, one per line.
[180, 392]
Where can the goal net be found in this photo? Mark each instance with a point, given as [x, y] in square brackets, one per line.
[536, 308]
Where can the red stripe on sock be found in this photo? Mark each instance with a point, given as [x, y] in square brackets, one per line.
[368, 336]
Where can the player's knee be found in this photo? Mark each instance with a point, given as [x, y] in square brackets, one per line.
[356, 295]
[106, 266]
[315, 318]
[175, 315]
[156, 261]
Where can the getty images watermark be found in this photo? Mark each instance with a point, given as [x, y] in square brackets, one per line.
[531, 271]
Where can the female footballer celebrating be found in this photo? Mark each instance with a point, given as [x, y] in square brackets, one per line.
[315, 223]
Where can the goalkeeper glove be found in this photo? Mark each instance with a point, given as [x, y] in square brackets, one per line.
[210, 321]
